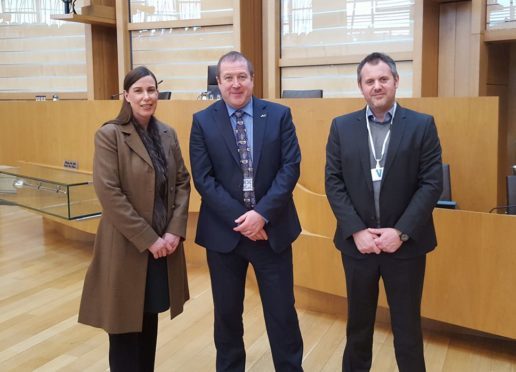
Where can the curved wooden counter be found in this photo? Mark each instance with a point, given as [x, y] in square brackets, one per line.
[470, 277]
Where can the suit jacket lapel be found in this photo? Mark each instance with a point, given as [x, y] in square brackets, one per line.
[223, 123]
[363, 146]
[397, 130]
[259, 124]
[135, 143]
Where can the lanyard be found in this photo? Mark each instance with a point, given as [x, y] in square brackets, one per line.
[378, 160]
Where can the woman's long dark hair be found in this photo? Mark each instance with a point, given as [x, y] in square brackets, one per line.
[126, 113]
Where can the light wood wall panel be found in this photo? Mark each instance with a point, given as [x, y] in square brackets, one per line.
[468, 128]
[474, 254]
[460, 122]
[462, 54]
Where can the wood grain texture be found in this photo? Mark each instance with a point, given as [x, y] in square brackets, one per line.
[468, 128]
[41, 276]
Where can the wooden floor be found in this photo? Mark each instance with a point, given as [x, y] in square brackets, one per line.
[41, 277]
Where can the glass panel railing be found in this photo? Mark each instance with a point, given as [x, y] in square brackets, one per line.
[57, 192]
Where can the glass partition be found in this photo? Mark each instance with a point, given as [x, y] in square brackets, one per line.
[174, 10]
[58, 192]
[501, 14]
[338, 81]
[180, 57]
[178, 39]
[38, 54]
[332, 36]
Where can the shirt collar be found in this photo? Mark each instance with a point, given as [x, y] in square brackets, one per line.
[388, 115]
[248, 108]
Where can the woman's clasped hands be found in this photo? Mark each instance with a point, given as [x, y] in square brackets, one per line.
[165, 246]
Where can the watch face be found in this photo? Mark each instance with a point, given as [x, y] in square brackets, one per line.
[404, 237]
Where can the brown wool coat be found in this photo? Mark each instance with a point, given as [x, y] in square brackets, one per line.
[123, 176]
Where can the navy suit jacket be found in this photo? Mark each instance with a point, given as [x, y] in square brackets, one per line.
[411, 184]
[218, 177]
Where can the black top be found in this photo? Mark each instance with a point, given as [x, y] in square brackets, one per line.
[156, 288]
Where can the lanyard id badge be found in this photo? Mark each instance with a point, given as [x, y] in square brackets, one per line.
[377, 173]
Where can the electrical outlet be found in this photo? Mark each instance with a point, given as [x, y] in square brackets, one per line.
[72, 164]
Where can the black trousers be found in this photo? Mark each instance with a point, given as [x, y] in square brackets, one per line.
[403, 282]
[135, 352]
[275, 281]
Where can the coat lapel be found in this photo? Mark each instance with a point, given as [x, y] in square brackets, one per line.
[166, 139]
[222, 121]
[135, 143]
[259, 125]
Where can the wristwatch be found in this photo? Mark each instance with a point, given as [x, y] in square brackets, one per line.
[404, 237]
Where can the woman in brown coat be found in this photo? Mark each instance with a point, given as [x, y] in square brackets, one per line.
[138, 268]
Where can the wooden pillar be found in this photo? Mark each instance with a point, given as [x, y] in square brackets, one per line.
[271, 48]
[123, 41]
[102, 66]
[102, 71]
[251, 37]
[426, 49]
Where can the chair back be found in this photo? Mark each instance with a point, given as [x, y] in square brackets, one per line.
[165, 94]
[311, 93]
[446, 194]
[511, 194]
[212, 86]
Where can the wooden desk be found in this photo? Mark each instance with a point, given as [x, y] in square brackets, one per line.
[470, 279]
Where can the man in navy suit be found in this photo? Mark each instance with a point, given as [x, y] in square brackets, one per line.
[383, 179]
[245, 164]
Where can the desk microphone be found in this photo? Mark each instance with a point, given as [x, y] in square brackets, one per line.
[502, 207]
[114, 96]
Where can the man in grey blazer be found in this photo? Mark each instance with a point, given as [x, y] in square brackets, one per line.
[383, 179]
